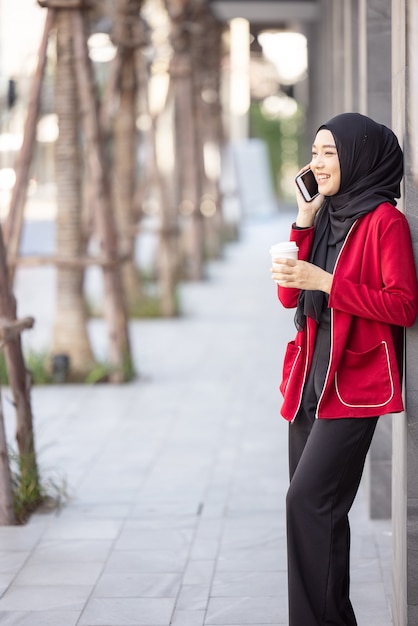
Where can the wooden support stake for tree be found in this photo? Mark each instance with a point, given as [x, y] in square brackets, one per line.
[18, 377]
[115, 305]
[80, 262]
[63, 4]
[10, 329]
[188, 189]
[14, 221]
[7, 516]
[110, 93]
[156, 182]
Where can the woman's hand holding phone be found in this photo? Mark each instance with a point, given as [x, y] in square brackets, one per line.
[307, 209]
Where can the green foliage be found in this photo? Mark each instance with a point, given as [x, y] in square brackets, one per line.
[99, 374]
[4, 375]
[270, 132]
[282, 137]
[148, 303]
[102, 371]
[38, 365]
[29, 492]
[148, 306]
[128, 369]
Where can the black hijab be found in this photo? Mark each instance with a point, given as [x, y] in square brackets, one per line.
[371, 165]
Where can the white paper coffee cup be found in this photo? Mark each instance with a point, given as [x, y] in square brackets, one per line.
[284, 250]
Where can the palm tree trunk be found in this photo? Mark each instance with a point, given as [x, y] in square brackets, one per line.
[129, 35]
[124, 174]
[159, 184]
[70, 335]
[190, 158]
[168, 259]
[206, 54]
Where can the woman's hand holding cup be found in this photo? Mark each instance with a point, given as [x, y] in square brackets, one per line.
[281, 252]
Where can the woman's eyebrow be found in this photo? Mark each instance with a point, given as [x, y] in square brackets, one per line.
[326, 146]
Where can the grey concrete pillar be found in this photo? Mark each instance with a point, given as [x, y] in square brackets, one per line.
[379, 60]
[329, 80]
[319, 86]
[353, 16]
[378, 471]
[338, 57]
[374, 59]
[375, 99]
[315, 112]
[405, 427]
[334, 58]
[326, 59]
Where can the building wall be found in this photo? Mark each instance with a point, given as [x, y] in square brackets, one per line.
[404, 25]
[400, 435]
[405, 452]
[405, 440]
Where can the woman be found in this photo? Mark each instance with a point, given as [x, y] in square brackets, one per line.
[354, 288]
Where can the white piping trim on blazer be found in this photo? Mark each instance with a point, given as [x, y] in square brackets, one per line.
[370, 405]
[293, 367]
[304, 373]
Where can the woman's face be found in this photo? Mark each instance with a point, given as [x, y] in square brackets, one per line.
[325, 163]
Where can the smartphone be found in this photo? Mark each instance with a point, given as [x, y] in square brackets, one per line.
[307, 185]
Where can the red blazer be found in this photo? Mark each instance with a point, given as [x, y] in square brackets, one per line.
[374, 293]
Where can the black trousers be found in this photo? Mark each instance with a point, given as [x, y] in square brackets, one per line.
[326, 458]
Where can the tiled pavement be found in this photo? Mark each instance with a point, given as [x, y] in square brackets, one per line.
[177, 480]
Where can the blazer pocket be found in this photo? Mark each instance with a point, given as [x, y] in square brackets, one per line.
[364, 379]
[290, 360]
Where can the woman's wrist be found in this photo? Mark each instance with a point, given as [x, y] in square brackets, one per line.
[327, 282]
[304, 221]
